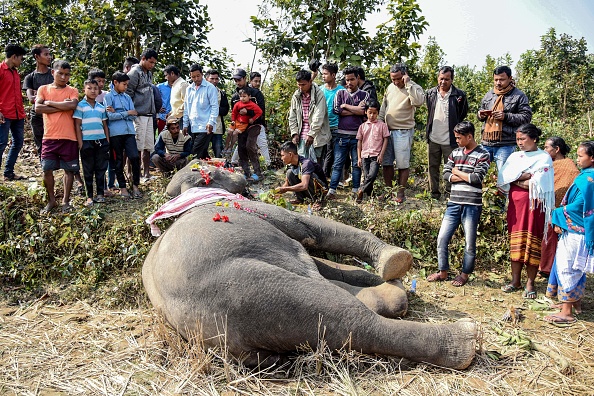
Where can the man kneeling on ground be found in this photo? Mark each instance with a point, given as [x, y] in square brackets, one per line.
[305, 177]
[172, 148]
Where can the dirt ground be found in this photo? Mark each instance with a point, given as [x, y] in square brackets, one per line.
[55, 345]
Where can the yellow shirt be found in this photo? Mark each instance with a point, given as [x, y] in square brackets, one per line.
[178, 95]
[399, 105]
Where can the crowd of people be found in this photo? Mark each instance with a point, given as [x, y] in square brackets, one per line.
[334, 127]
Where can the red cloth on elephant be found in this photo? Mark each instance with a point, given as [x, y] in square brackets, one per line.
[187, 200]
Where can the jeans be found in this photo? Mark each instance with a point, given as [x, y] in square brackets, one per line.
[343, 146]
[500, 154]
[370, 170]
[17, 130]
[456, 214]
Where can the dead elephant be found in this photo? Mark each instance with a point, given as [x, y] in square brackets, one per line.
[251, 285]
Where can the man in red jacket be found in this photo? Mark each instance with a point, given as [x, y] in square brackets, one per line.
[12, 111]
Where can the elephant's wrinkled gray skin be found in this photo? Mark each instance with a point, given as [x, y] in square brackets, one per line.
[220, 178]
[250, 284]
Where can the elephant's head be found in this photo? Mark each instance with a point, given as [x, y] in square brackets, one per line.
[199, 174]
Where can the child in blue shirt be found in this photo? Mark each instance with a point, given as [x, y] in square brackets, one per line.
[90, 122]
[120, 114]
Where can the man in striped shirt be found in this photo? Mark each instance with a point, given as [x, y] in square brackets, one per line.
[466, 168]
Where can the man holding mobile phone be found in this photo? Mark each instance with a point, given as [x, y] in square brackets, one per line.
[503, 110]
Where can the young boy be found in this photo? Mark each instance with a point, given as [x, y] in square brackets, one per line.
[372, 140]
[99, 76]
[60, 145]
[90, 122]
[240, 122]
[466, 168]
[120, 114]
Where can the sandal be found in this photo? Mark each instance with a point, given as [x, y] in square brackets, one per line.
[125, 196]
[529, 295]
[509, 288]
[66, 208]
[559, 321]
[137, 195]
[459, 281]
[100, 199]
[436, 277]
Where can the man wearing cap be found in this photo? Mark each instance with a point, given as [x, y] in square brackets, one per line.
[172, 148]
[247, 147]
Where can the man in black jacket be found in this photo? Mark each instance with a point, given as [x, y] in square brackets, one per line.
[447, 107]
[212, 76]
[247, 143]
[502, 111]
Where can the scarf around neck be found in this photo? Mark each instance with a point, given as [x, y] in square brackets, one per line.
[494, 128]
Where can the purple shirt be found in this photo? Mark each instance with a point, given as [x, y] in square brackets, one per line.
[349, 124]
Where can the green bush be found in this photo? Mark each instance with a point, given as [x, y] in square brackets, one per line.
[81, 246]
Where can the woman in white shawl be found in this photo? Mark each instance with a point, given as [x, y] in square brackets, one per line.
[527, 176]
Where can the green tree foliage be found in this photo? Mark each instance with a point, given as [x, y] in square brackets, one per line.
[558, 78]
[321, 29]
[393, 38]
[100, 34]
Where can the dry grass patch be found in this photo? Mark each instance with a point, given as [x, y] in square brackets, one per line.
[49, 348]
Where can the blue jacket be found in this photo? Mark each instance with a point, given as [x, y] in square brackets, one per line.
[119, 122]
[201, 107]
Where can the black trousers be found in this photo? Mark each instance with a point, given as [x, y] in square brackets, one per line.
[126, 143]
[370, 170]
[37, 126]
[248, 150]
[200, 143]
[311, 192]
[94, 156]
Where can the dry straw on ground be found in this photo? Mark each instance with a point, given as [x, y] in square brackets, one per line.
[47, 348]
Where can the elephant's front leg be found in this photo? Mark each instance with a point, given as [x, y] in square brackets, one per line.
[390, 262]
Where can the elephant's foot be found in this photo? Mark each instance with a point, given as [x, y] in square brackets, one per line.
[458, 344]
[388, 299]
[393, 263]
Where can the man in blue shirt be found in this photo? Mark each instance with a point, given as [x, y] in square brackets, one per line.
[330, 88]
[201, 109]
[171, 74]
